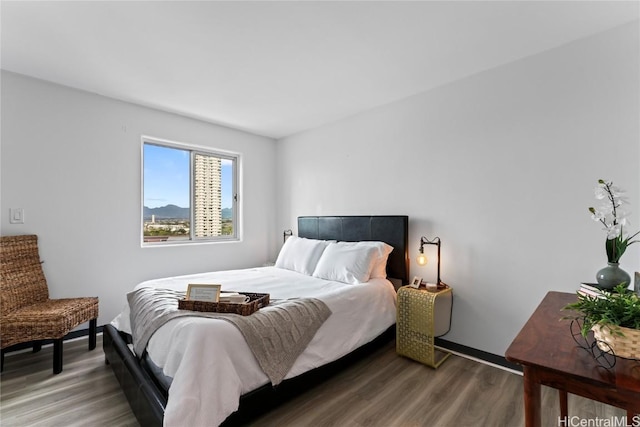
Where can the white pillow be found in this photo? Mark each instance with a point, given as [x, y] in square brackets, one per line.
[300, 254]
[346, 262]
[380, 265]
[383, 250]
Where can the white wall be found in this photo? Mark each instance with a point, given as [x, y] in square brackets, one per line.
[500, 165]
[72, 160]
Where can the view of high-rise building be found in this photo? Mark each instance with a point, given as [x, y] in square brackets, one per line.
[207, 196]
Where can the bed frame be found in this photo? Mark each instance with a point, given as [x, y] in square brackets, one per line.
[148, 398]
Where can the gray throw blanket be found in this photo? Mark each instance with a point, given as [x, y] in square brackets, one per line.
[276, 336]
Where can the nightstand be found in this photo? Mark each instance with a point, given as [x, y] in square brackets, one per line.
[422, 315]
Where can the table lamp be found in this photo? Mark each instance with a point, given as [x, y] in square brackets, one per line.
[422, 258]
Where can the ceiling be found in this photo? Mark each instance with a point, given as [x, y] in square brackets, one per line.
[278, 68]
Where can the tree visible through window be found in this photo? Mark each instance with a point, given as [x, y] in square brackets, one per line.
[188, 194]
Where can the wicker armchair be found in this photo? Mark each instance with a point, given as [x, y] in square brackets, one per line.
[26, 312]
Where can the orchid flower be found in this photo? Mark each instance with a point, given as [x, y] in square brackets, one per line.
[613, 217]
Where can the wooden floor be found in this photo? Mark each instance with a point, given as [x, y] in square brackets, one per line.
[383, 390]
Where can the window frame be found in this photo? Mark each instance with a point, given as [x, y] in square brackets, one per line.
[193, 150]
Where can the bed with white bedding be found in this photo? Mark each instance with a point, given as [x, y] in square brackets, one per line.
[208, 363]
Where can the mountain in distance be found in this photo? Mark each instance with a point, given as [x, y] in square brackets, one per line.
[176, 212]
[167, 212]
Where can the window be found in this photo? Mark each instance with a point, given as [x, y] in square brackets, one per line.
[189, 193]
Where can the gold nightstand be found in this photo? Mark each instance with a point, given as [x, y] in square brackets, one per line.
[422, 315]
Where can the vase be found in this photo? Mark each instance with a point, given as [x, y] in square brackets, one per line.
[611, 276]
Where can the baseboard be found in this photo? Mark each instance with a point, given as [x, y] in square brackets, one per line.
[70, 336]
[490, 358]
[463, 350]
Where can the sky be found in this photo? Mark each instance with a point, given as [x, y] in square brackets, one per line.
[166, 177]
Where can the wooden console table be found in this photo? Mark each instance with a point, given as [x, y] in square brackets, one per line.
[550, 356]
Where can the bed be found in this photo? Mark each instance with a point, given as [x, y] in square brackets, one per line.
[146, 387]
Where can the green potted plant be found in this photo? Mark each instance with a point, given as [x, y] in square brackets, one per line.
[614, 318]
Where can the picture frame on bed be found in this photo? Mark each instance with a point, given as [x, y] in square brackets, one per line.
[415, 283]
[203, 292]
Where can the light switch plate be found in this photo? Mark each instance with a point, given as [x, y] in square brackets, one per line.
[16, 216]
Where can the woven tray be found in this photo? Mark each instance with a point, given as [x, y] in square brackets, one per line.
[256, 302]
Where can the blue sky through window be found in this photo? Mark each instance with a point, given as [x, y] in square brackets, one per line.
[166, 177]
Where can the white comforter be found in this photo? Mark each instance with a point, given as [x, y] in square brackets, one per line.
[211, 364]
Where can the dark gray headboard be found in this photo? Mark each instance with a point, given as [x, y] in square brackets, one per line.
[393, 230]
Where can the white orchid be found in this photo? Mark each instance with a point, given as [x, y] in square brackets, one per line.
[597, 215]
[600, 192]
[613, 231]
[614, 219]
